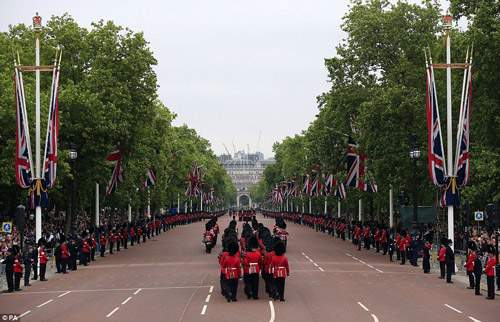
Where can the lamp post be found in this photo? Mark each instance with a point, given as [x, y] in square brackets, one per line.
[415, 155]
[72, 156]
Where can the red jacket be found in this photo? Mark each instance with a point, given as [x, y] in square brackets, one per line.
[42, 257]
[403, 243]
[442, 254]
[102, 240]
[85, 247]
[132, 232]
[18, 268]
[280, 267]
[268, 257]
[383, 237]
[252, 262]
[232, 266]
[357, 233]
[469, 264]
[489, 270]
[64, 251]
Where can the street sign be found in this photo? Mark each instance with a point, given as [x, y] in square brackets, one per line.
[478, 216]
[7, 227]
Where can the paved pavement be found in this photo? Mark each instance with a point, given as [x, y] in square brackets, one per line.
[172, 279]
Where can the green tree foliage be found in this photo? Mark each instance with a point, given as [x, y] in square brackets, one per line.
[377, 96]
[108, 99]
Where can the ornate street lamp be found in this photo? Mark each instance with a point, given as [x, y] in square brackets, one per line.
[415, 155]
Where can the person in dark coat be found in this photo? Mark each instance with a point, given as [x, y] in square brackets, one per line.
[9, 270]
[450, 261]
[478, 271]
[27, 265]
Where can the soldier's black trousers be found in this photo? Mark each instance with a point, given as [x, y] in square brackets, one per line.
[442, 269]
[471, 279]
[43, 268]
[223, 286]
[64, 264]
[426, 265]
[35, 270]
[111, 248]
[449, 271]
[279, 282]
[232, 288]
[403, 257]
[17, 280]
[103, 249]
[491, 286]
[477, 281]
[384, 248]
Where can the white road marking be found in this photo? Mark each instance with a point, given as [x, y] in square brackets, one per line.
[364, 307]
[374, 318]
[370, 266]
[361, 261]
[454, 309]
[44, 303]
[378, 270]
[111, 313]
[64, 294]
[473, 319]
[271, 306]
[208, 298]
[137, 292]
[321, 269]
[348, 254]
[315, 264]
[204, 310]
[354, 257]
[25, 313]
[311, 260]
[128, 299]
[211, 289]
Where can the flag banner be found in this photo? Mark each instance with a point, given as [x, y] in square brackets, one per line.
[117, 175]
[50, 154]
[150, 179]
[38, 195]
[362, 172]
[314, 186]
[462, 165]
[194, 182]
[23, 161]
[352, 164]
[306, 188]
[340, 192]
[435, 151]
[330, 183]
[371, 185]
[450, 194]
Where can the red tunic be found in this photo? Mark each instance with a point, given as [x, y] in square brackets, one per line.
[42, 257]
[280, 267]
[469, 264]
[252, 262]
[489, 270]
[232, 266]
[18, 268]
[64, 251]
[442, 254]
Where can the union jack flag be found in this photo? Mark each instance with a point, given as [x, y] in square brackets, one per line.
[117, 175]
[362, 172]
[306, 188]
[194, 182]
[23, 162]
[330, 183]
[340, 191]
[435, 154]
[352, 164]
[150, 179]
[50, 155]
[462, 159]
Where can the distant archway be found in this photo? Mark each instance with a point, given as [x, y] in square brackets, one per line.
[243, 199]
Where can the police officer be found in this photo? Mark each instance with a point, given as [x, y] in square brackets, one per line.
[478, 270]
[9, 270]
[450, 261]
[27, 265]
[426, 264]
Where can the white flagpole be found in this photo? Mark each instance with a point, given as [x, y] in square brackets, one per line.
[149, 204]
[338, 208]
[201, 201]
[449, 127]
[360, 209]
[310, 205]
[129, 212]
[326, 205]
[178, 203]
[97, 204]
[38, 210]
[391, 210]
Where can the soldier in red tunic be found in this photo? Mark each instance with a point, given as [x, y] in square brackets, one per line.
[64, 255]
[18, 271]
[489, 270]
[102, 243]
[42, 259]
[469, 264]
[252, 262]
[232, 268]
[281, 270]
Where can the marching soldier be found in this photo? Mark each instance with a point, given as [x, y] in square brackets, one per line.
[281, 270]
[111, 241]
[489, 270]
[232, 267]
[402, 248]
[64, 255]
[252, 262]
[93, 245]
[42, 259]
[85, 252]
[132, 235]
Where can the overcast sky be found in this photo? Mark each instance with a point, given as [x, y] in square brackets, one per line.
[228, 68]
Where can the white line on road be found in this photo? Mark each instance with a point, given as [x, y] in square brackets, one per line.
[45, 303]
[211, 289]
[354, 257]
[370, 266]
[128, 299]
[364, 307]
[473, 319]
[64, 294]
[378, 270]
[111, 313]
[137, 292]
[311, 260]
[321, 269]
[271, 306]
[208, 298]
[25, 313]
[454, 309]
[204, 310]
[315, 264]
[374, 318]
[348, 254]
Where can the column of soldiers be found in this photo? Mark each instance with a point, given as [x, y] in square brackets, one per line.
[257, 252]
[408, 246]
[80, 249]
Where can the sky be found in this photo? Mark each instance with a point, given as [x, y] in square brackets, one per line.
[230, 69]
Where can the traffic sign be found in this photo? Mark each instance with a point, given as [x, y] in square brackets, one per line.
[7, 227]
[478, 216]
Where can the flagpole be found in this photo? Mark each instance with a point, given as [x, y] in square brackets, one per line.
[178, 203]
[360, 211]
[97, 204]
[38, 209]
[338, 208]
[201, 201]
[326, 204]
[310, 206]
[391, 210]
[149, 204]
[449, 122]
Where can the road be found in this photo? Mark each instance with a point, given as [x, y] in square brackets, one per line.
[172, 279]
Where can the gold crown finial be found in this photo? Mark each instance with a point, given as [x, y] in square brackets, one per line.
[447, 20]
[37, 22]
